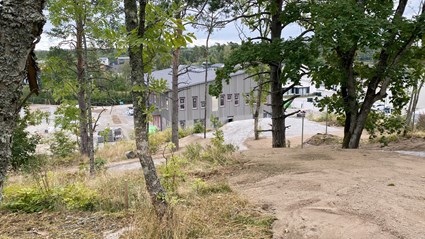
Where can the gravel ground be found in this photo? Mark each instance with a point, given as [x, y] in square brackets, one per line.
[238, 132]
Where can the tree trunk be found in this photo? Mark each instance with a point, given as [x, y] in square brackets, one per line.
[278, 119]
[175, 91]
[82, 103]
[21, 23]
[257, 108]
[89, 80]
[206, 80]
[412, 106]
[135, 19]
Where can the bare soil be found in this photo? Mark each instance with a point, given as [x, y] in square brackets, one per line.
[327, 192]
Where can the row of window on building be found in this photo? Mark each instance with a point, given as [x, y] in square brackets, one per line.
[223, 97]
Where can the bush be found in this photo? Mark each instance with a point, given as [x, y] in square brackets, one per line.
[218, 152]
[185, 132]
[202, 188]
[198, 128]
[24, 144]
[172, 173]
[33, 199]
[193, 151]
[99, 164]
[157, 139]
[62, 145]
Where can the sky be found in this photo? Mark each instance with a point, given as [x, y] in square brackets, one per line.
[231, 33]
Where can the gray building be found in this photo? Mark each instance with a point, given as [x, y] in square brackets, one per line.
[230, 106]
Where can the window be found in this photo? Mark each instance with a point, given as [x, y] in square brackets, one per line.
[182, 104]
[229, 97]
[222, 100]
[194, 102]
[203, 104]
[236, 99]
[166, 104]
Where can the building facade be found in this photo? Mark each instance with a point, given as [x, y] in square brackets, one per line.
[231, 105]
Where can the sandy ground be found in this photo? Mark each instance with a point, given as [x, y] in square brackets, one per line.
[318, 191]
[327, 192]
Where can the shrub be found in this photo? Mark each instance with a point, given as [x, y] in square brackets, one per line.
[202, 188]
[172, 173]
[193, 151]
[198, 128]
[99, 164]
[33, 199]
[157, 139]
[218, 152]
[62, 145]
[185, 132]
[24, 144]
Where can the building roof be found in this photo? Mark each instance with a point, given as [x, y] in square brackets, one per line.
[191, 75]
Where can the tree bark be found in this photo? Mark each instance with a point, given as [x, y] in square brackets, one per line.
[175, 91]
[278, 119]
[412, 105]
[257, 108]
[21, 24]
[82, 103]
[140, 100]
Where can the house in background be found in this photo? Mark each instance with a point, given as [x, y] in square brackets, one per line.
[230, 106]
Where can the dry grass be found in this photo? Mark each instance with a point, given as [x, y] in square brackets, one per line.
[115, 152]
[204, 206]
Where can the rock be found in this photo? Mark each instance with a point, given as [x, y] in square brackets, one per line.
[130, 155]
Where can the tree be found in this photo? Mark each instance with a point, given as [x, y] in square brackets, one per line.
[286, 59]
[345, 28]
[21, 24]
[417, 75]
[135, 21]
[80, 20]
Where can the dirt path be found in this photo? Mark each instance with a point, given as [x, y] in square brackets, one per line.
[326, 192]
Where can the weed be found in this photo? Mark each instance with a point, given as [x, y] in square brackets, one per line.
[193, 152]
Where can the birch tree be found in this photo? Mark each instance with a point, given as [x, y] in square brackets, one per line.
[21, 24]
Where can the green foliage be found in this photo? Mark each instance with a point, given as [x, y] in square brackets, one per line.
[33, 199]
[215, 122]
[99, 164]
[343, 31]
[185, 132]
[198, 128]
[157, 139]
[172, 173]
[67, 116]
[193, 152]
[379, 123]
[202, 188]
[293, 54]
[62, 145]
[24, 144]
[218, 152]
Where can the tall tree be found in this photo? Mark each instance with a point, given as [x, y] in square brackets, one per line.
[345, 28]
[286, 59]
[75, 22]
[21, 24]
[135, 21]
